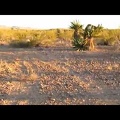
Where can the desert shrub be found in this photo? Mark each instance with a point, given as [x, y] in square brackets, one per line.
[50, 34]
[49, 37]
[20, 44]
[111, 41]
[78, 41]
[116, 45]
[66, 34]
[47, 42]
[34, 43]
[25, 43]
[5, 35]
[83, 38]
[110, 36]
[20, 35]
[79, 44]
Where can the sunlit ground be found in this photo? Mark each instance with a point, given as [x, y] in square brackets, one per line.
[59, 76]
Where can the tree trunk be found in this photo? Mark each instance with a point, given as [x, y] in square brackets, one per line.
[76, 34]
[90, 43]
[92, 46]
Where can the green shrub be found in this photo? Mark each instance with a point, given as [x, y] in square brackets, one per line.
[79, 44]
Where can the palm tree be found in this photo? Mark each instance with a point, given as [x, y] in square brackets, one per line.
[78, 29]
[90, 32]
[83, 38]
[78, 41]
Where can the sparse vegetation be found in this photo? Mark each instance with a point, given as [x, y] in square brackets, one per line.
[78, 41]
[83, 38]
[49, 37]
[59, 75]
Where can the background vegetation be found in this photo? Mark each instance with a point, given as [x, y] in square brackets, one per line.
[19, 37]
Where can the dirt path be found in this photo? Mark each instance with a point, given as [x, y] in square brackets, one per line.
[59, 76]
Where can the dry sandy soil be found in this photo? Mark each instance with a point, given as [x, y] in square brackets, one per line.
[59, 76]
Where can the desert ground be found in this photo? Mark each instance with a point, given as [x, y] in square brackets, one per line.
[59, 76]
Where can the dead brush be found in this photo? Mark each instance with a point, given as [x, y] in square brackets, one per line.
[28, 73]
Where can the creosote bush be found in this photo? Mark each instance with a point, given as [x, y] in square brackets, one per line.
[20, 44]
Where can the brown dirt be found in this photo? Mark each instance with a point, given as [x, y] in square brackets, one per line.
[59, 76]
